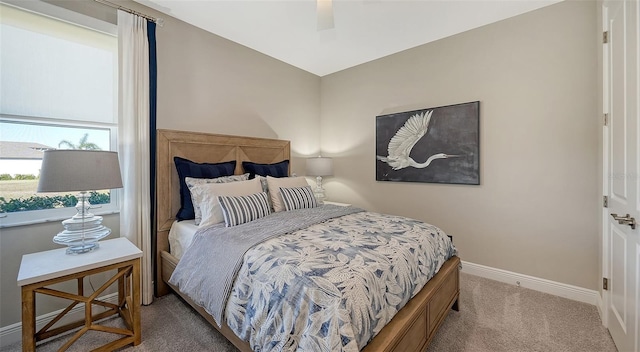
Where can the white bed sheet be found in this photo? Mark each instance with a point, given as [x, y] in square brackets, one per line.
[181, 236]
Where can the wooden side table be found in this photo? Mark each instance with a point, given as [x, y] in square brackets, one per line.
[42, 269]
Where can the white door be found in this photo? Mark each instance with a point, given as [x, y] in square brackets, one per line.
[622, 171]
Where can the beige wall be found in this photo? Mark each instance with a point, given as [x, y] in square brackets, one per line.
[205, 83]
[536, 210]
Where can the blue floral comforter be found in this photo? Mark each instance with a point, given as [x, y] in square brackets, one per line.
[334, 285]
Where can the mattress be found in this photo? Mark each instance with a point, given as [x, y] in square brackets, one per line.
[181, 236]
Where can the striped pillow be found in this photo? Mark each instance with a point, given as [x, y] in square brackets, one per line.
[298, 198]
[241, 209]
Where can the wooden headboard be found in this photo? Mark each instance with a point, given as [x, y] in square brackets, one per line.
[200, 147]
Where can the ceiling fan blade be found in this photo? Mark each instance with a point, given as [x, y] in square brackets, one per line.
[325, 14]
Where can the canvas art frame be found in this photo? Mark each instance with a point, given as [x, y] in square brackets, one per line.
[433, 145]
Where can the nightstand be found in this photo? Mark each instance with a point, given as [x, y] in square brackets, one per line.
[42, 269]
[336, 203]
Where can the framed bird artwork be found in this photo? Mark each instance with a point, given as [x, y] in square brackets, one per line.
[434, 145]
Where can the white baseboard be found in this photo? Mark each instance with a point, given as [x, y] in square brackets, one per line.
[11, 334]
[601, 307]
[547, 286]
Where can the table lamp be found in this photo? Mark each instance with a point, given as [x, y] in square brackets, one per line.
[319, 167]
[81, 171]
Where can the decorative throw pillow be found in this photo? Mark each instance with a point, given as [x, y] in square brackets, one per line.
[242, 209]
[287, 182]
[209, 205]
[197, 198]
[298, 198]
[187, 168]
[280, 169]
[265, 188]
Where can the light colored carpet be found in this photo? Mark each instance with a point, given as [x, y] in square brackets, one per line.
[497, 317]
[493, 317]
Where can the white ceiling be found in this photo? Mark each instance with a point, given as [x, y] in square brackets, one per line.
[364, 30]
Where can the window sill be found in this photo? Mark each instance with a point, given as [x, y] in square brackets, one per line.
[25, 219]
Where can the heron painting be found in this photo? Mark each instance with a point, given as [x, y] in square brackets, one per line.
[435, 145]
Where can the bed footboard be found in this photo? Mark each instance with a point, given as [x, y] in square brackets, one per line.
[409, 330]
[416, 323]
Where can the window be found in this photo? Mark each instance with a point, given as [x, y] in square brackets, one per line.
[58, 90]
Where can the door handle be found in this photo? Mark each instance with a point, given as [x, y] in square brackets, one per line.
[625, 220]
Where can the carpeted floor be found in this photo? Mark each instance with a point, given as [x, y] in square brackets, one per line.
[493, 317]
[498, 317]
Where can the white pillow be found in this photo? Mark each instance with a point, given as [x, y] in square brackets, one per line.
[275, 183]
[209, 205]
[192, 182]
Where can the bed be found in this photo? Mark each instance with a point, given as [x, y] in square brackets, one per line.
[411, 327]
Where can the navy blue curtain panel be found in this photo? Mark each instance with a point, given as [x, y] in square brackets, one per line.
[153, 99]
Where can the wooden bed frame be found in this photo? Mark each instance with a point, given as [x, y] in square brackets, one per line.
[410, 330]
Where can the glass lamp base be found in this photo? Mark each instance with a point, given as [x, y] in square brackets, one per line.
[318, 192]
[319, 196]
[81, 233]
[85, 248]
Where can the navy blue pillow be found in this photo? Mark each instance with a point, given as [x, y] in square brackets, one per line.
[280, 169]
[187, 168]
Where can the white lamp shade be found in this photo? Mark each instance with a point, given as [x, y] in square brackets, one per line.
[79, 170]
[319, 166]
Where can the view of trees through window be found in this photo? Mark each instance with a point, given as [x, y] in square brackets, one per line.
[21, 160]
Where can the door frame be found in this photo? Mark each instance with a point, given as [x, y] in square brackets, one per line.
[604, 311]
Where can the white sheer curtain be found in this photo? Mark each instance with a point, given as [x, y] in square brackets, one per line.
[133, 136]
